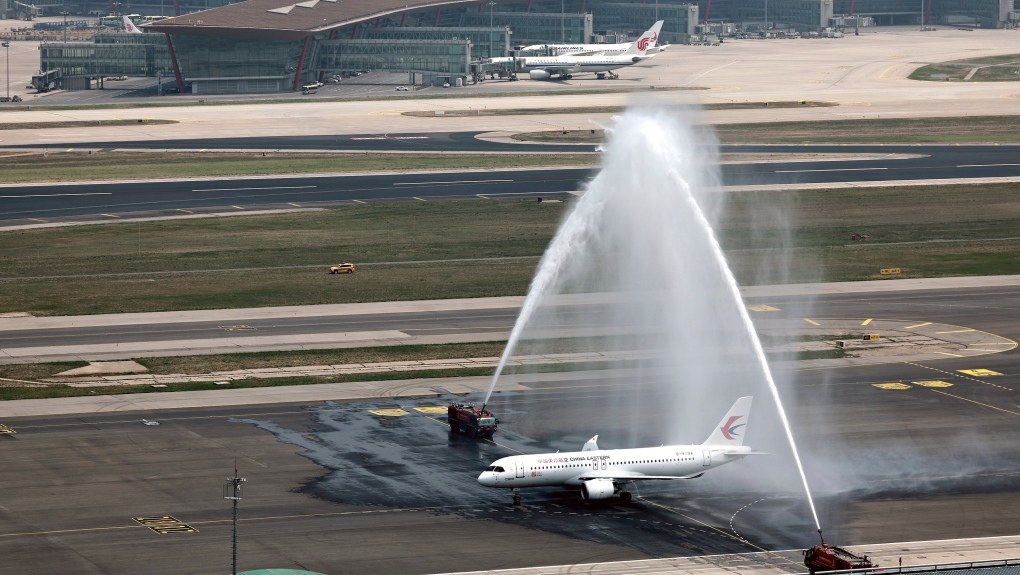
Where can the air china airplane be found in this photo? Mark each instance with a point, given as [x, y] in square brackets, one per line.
[603, 49]
[130, 27]
[544, 68]
[602, 473]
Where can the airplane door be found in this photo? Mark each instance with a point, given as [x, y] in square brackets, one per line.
[603, 465]
[520, 468]
[708, 457]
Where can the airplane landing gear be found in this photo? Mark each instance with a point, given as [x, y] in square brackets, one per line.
[613, 76]
[517, 497]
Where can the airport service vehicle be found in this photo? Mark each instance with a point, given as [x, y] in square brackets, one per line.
[347, 268]
[602, 49]
[602, 473]
[827, 557]
[564, 67]
[470, 420]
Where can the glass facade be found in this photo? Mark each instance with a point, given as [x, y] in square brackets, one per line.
[441, 56]
[481, 39]
[633, 19]
[212, 57]
[109, 55]
[535, 27]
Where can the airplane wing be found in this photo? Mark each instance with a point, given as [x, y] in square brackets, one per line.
[633, 476]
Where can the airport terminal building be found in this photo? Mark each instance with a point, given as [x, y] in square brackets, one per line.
[263, 46]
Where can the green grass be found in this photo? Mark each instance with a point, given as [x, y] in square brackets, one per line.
[80, 124]
[991, 69]
[78, 166]
[966, 130]
[769, 237]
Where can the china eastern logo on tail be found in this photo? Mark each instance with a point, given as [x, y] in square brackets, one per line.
[729, 429]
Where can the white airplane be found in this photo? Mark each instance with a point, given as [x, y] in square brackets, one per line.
[129, 26]
[544, 68]
[602, 49]
[600, 474]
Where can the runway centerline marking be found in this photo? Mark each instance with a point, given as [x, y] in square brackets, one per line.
[830, 170]
[247, 189]
[60, 195]
[958, 375]
[451, 182]
[985, 165]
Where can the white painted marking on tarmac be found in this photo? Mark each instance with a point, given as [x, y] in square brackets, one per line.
[831, 170]
[58, 195]
[451, 182]
[244, 189]
[985, 165]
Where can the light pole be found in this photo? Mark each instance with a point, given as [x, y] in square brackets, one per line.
[491, 4]
[767, 16]
[232, 490]
[922, 15]
[64, 14]
[7, 45]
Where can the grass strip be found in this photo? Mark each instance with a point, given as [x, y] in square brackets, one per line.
[962, 130]
[1002, 68]
[81, 124]
[82, 166]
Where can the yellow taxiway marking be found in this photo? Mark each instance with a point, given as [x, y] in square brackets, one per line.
[202, 150]
[978, 402]
[867, 321]
[981, 381]
[933, 383]
[958, 331]
[431, 409]
[949, 354]
[979, 372]
[5, 429]
[238, 207]
[185, 211]
[811, 321]
[37, 220]
[109, 215]
[918, 325]
[158, 520]
[419, 199]
[359, 201]
[891, 385]
[762, 307]
[712, 527]
[293, 204]
[389, 412]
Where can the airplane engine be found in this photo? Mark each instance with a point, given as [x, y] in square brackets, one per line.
[539, 75]
[597, 489]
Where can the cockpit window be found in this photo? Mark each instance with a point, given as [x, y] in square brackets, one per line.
[498, 469]
[490, 468]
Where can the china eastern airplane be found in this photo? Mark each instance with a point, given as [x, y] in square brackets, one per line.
[603, 49]
[545, 67]
[601, 473]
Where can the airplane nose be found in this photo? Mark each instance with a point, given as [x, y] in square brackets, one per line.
[487, 478]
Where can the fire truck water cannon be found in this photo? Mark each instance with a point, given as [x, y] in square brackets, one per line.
[471, 421]
[827, 557]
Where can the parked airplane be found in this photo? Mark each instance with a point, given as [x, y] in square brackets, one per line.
[598, 49]
[602, 473]
[129, 26]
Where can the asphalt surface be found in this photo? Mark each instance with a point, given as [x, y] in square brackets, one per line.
[33, 204]
[334, 488]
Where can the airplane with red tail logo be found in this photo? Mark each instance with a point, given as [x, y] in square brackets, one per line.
[649, 42]
[603, 473]
[601, 62]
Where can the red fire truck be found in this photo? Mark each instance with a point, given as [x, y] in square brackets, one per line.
[827, 557]
[471, 421]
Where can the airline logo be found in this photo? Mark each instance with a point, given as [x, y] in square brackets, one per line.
[130, 26]
[729, 429]
[645, 40]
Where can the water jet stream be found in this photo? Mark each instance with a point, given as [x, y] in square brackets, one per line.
[641, 231]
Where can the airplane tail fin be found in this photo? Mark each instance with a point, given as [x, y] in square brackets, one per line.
[730, 430]
[129, 26]
[646, 41]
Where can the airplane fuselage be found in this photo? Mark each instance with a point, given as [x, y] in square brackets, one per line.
[574, 468]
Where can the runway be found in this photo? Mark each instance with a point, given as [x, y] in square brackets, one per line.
[49, 203]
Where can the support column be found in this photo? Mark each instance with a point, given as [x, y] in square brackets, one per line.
[439, 12]
[528, 10]
[708, 8]
[354, 35]
[177, 8]
[301, 63]
[583, 4]
[851, 8]
[927, 16]
[177, 67]
[403, 20]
